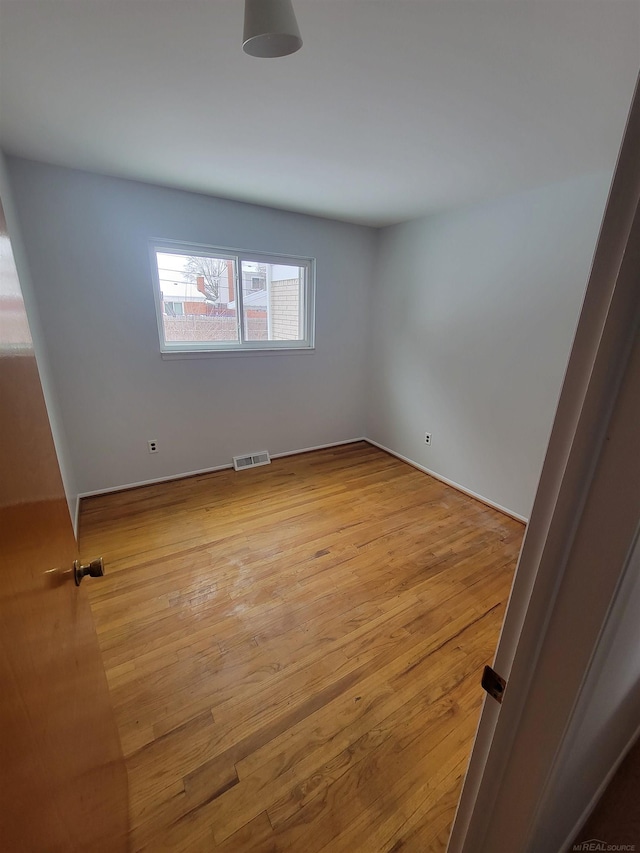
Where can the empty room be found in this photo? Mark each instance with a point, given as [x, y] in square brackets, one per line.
[300, 323]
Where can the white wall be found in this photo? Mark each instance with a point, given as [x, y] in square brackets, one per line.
[472, 322]
[464, 330]
[47, 379]
[87, 241]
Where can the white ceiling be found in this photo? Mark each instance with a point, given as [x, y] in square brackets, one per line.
[390, 110]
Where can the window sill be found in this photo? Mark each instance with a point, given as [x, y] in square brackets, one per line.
[233, 353]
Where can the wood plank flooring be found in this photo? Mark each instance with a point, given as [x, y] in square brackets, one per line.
[294, 651]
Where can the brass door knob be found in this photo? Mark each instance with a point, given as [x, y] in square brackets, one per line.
[95, 569]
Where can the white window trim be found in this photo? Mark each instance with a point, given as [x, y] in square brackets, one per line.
[241, 347]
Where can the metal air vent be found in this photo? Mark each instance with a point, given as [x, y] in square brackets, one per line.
[251, 460]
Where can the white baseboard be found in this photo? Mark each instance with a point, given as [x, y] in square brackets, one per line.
[317, 447]
[451, 483]
[76, 517]
[593, 802]
[212, 470]
[125, 486]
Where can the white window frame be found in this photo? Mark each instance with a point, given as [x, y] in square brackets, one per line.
[185, 349]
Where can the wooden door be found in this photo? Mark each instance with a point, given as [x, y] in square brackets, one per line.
[63, 784]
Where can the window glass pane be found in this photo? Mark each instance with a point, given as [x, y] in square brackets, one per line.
[273, 301]
[197, 298]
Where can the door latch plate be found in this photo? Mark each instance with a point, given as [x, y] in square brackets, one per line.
[493, 683]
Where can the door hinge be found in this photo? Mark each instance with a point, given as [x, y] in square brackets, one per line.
[494, 684]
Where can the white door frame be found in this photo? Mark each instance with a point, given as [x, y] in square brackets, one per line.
[555, 620]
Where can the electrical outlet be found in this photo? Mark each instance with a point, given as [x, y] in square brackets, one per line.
[153, 445]
[427, 438]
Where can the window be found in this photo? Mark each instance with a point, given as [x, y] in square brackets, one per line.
[224, 300]
[173, 309]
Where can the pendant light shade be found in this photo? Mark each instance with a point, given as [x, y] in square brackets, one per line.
[270, 28]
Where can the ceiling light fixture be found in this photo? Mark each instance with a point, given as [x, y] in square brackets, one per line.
[270, 28]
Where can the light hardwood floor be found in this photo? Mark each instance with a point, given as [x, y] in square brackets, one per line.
[294, 652]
